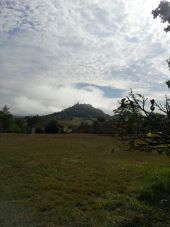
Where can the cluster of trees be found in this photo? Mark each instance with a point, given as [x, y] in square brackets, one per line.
[38, 124]
[8, 123]
[101, 125]
[11, 124]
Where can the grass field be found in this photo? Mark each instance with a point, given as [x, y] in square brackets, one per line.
[76, 180]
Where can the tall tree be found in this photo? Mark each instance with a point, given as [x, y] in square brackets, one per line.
[5, 119]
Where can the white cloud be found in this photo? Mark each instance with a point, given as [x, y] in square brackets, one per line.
[48, 99]
[45, 43]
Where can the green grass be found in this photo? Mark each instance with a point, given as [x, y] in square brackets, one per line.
[76, 180]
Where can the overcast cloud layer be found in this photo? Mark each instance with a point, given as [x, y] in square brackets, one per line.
[54, 53]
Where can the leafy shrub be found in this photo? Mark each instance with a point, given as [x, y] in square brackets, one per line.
[157, 193]
[14, 128]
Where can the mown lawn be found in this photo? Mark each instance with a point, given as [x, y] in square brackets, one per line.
[76, 180]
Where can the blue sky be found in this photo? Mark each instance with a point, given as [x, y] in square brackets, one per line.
[108, 92]
[54, 53]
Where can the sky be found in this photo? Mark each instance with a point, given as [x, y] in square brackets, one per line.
[55, 53]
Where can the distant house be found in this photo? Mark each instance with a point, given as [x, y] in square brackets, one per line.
[64, 129]
[67, 130]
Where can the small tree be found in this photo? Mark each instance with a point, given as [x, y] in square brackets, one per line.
[127, 117]
[5, 119]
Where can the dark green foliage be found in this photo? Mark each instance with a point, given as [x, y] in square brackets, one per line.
[168, 81]
[66, 122]
[84, 127]
[52, 127]
[14, 128]
[5, 119]
[101, 119]
[37, 123]
[32, 121]
[21, 124]
[163, 11]
[128, 118]
[156, 193]
[96, 127]
[39, 130]
[100, 126]
[11, 124]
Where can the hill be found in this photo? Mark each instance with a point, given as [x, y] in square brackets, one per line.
[79, 110]
[71, 117]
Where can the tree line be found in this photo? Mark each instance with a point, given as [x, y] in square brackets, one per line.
[31, 124]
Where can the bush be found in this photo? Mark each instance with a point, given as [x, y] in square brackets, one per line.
[14, 128]
[52, 127]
